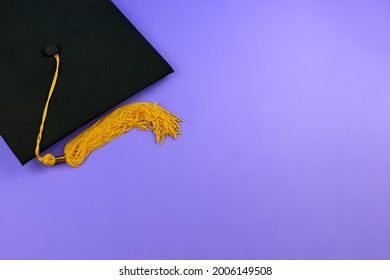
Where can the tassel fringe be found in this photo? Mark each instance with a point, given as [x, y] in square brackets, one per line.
[144, 116]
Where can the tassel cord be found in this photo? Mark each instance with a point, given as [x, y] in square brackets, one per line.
[47, 159]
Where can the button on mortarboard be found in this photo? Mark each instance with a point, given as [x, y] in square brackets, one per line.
[104, 61]
[51, 50]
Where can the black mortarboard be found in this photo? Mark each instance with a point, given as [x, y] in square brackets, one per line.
[104, 61]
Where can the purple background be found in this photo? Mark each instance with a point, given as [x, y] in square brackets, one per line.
[285, 152]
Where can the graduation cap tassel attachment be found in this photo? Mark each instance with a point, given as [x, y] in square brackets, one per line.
[143, 115]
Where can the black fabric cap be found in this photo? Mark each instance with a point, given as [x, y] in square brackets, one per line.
[104, 61]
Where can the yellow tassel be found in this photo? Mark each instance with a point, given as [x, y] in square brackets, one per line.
[144, 116]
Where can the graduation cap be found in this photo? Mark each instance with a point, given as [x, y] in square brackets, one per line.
[63, 63]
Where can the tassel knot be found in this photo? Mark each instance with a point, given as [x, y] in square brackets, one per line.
[48, 160]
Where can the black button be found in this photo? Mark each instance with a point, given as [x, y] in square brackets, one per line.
[51, 50]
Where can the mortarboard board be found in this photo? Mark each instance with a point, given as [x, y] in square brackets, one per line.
[100, 61]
